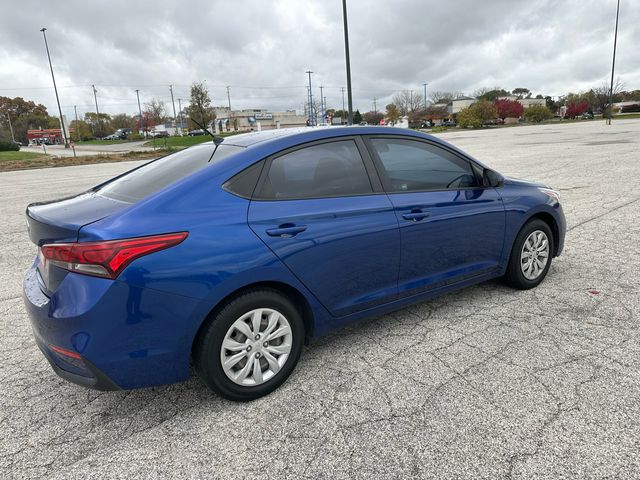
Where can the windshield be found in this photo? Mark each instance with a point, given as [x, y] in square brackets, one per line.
[155, 176]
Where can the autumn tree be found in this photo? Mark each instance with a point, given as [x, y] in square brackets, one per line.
[477, 114]
[122, 120]
[81, 130]
[508, 108]
[601, 96]
[98, 123]
[576, 109]
[156, 110]
[199, 108]
[392, 113]
[537, 113]
[373, 118]
[24, 114]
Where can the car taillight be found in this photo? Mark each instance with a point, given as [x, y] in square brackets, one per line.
[106, 258]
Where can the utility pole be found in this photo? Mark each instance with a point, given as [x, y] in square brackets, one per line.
[173, 103]
[229, 102]
[141, 117]
[347, 59]
[613, 65]
[321, 103]
[411, 102]
[75, 111]
[375, 105]
[180, 113]
[425, 94]
[13, 139]
[55, 89]
[95, 97]
[311, 120]
[342, 117]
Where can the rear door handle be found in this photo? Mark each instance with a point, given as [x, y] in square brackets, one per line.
[415, 216]
[286, 231]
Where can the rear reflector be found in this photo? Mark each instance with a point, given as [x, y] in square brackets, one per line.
[65, 352]
[106, 258]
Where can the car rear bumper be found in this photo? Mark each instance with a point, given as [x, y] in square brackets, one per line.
[107, 335]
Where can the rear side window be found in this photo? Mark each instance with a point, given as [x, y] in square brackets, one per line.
[324, 170]
[411, 165]
[161, 173]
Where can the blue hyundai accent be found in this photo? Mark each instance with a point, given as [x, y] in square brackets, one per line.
[233, 254]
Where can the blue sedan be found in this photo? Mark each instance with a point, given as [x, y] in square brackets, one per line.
[232, 254]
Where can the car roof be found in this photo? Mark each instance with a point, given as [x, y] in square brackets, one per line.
[309, 133]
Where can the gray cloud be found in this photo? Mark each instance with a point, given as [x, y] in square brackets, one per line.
[262, 49]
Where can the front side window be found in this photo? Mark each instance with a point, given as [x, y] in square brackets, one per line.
[323, 170]
[411, 165]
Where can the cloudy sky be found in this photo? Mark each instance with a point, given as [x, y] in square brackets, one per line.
[263, 48]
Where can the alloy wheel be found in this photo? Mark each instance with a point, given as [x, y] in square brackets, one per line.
[534, 255]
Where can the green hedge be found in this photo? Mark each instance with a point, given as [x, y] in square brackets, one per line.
[8, 146]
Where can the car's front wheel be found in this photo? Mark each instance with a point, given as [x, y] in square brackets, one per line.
[250, 347]
[530, 256]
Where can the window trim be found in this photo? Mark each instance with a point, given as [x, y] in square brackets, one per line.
[370, 169]
[381, 171]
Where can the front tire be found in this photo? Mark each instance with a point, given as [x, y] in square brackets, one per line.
[531, 255]
[250, 346]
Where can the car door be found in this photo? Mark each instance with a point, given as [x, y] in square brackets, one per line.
[320, 208]
[451, 228]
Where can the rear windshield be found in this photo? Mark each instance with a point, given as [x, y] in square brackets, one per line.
[161, 173]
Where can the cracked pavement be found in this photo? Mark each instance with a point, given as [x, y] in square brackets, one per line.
[484, 383]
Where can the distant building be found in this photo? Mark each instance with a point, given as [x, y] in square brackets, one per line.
[462, 102]
[530, 102]
[254, 119]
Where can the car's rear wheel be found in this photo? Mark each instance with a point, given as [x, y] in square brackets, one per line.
[530, 256]
[250, 347]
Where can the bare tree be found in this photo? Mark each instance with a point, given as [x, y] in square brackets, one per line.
[444, 96]
[601, 94]
[156, 110]
[407, 101]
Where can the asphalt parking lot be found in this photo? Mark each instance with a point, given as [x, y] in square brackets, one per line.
[486, 383]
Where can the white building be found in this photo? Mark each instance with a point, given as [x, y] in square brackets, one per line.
[254, 119]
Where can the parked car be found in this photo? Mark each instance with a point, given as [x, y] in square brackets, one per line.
[449, 123]
[113, 136]
[236, 252]
[426, 124]
[196, 132]
[159, 134]
[587, 116]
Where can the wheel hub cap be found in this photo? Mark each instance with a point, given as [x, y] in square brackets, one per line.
[256, 347]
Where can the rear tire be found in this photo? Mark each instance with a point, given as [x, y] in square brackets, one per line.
[237, 354]
[531, 255]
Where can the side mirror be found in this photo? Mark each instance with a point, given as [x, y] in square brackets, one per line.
[491, 178]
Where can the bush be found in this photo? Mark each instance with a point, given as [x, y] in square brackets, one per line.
[537, 113]
[477, 114]
[468, 118]
[9, 146]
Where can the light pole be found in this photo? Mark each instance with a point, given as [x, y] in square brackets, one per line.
[342, 116]
[55, 89]
[140, 113]
[13, 139]
[425, 94]
[613, 65]
[75, 111]
[311, 121]
[321, 103]
[173, 103]
[95, 98]
[347, 60]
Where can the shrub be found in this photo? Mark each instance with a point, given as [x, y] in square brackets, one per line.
[477, 114]
[8, 146]
[537, 113]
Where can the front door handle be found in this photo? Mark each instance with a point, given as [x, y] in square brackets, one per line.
[415, 215]
[286, 230]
